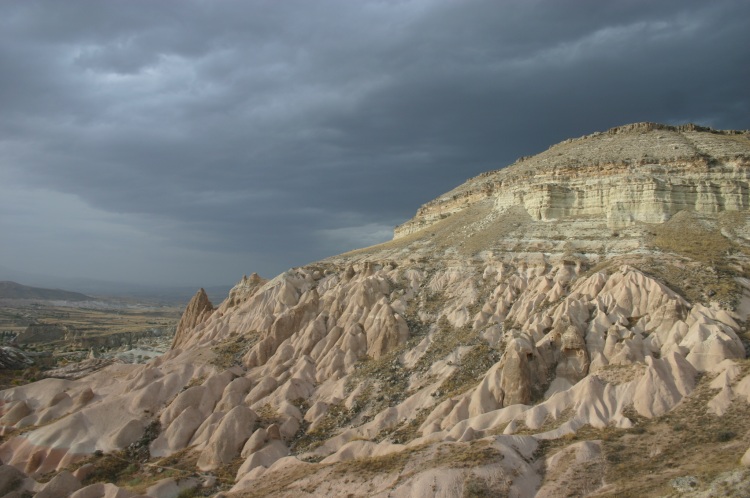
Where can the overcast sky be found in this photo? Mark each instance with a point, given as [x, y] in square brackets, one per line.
[191, 142]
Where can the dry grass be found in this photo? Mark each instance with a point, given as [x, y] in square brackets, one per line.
[468, 232]
[643, 460]
[695, 281]
[470, 370]
[384, 382]
[229, 354]
[412, 461]
[277, 483]
[337, 417]
[394, 468]
[407, 431]
[689, 235]
[619, 374]
[267, 415]
[15, 378]
[705, 276]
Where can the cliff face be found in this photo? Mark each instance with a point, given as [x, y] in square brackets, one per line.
[644, 172]
[487, 350]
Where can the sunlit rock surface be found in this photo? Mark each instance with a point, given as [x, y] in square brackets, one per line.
[595, 289]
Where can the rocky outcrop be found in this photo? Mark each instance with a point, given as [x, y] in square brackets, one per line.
[228, 439]
[198, 310]
[44, 333]
[444, 359]
[241, 292]
[13, 358]
[637, 173]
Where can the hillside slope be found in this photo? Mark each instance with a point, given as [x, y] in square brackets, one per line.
[574, 324]
[13, 290]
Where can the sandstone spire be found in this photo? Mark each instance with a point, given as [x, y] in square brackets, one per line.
[198, 310]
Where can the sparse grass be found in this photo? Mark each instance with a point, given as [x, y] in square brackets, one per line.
[476, 487]
[687, 235]
[15, 378]
[229, 354]
[445, 340]
[451, 455]
[467, 455]
[184, 460]
[407, 431]
[267, 415]
[619, 374]
[687, 441]
[337, 417]
[470, 370]
[642, 460]
[114, 467]
[189, 493]
[226, 473]
[696, 281]
[400, 465]
[370, 467]
[276, 483]
[195, 381]
[549, 424]
[125, 469]
[386, 383]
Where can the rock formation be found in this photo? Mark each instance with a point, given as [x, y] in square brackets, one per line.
[549, 329]
[13, 358]
[242, 292]
[198, 310]
[43, 333]
[644, 172]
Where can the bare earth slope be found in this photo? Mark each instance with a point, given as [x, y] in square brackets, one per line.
[573, 324]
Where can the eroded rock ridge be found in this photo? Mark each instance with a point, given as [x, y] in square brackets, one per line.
[486, 352]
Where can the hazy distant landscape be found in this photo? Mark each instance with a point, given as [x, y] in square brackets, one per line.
[112, 290]
[56, 327]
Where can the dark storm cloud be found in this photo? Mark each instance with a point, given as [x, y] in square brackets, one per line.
[230, 137]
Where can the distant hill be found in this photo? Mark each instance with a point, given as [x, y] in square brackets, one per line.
[13, 290]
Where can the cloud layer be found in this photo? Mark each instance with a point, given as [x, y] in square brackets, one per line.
[189, 142]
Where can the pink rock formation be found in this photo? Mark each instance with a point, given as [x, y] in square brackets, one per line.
[198, 310]
[492, 320]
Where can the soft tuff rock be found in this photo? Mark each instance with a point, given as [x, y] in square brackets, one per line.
[198, 310]
[511, 340]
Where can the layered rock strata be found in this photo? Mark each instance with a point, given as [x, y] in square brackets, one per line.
[442, 363]
[644, 172]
